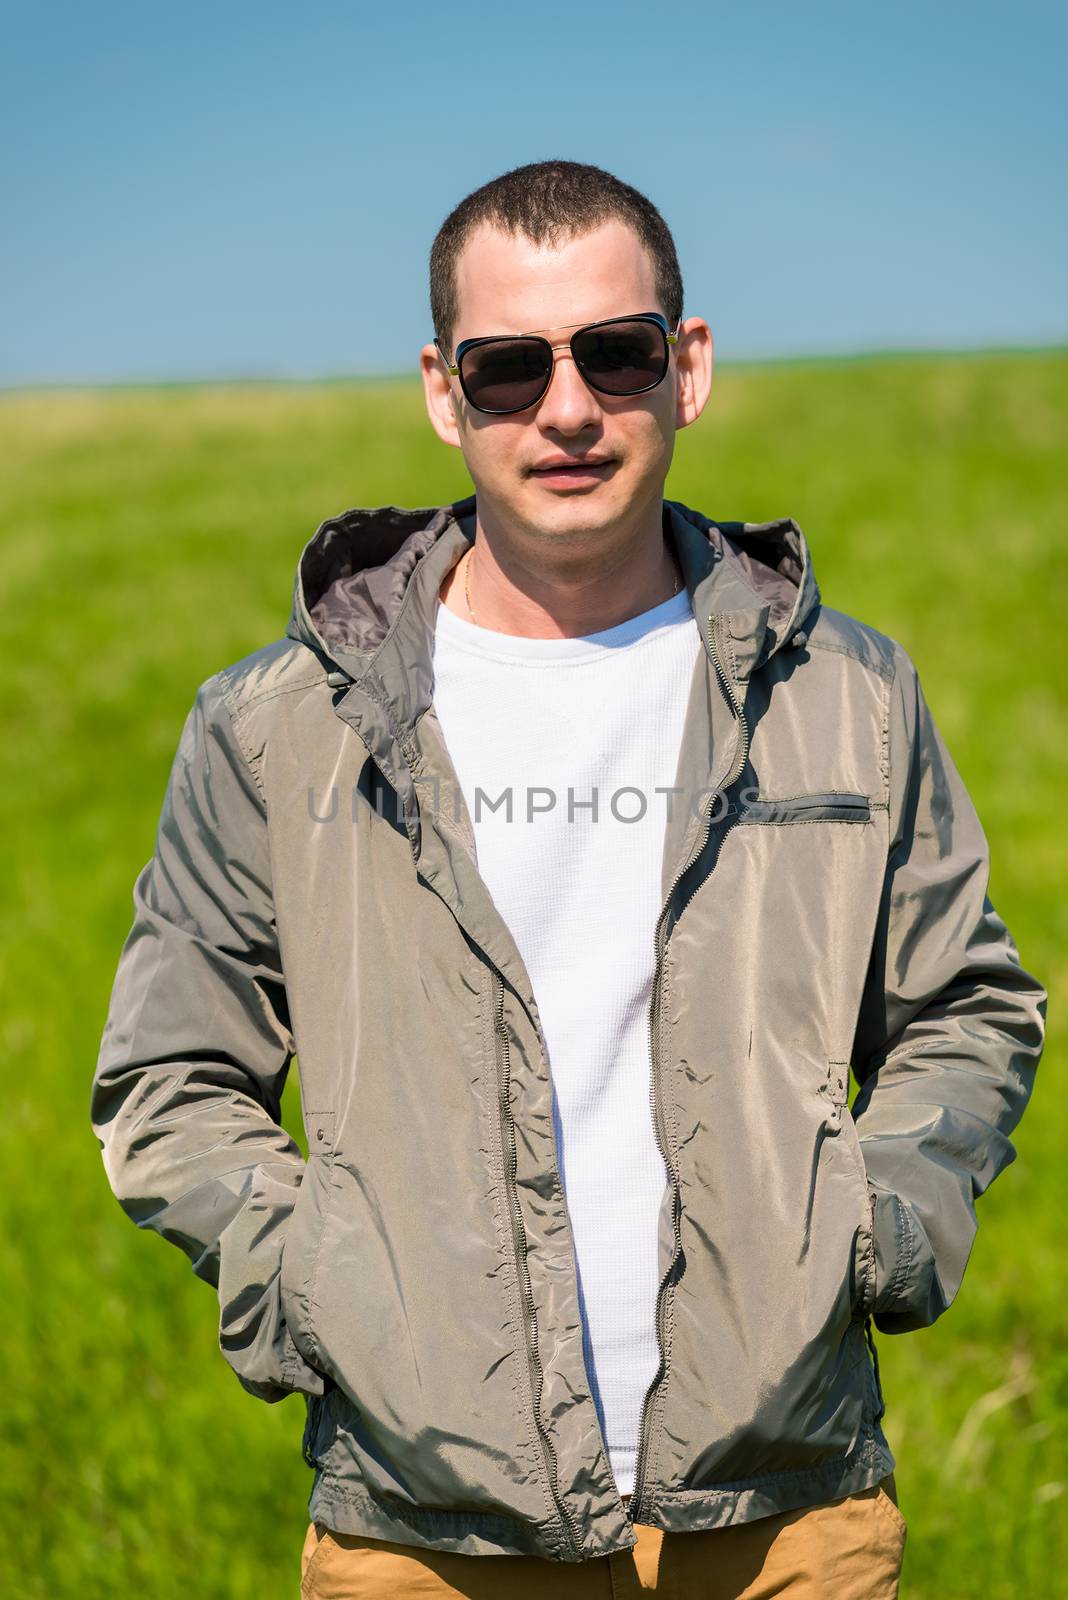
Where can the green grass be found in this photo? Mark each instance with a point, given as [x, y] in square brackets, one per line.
[150, 537]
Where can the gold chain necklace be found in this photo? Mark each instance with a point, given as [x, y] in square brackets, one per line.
[467, 582]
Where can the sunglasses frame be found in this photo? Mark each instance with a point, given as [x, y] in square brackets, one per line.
[454, 367]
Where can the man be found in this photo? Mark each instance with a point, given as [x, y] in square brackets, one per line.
[580, 850]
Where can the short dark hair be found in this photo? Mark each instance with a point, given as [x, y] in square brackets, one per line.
[548, 201]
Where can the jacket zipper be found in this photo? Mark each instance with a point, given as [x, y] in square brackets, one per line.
[520, 1241]
[737, 767]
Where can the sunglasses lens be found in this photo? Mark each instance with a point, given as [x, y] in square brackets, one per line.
[622, 357]
[506, 374]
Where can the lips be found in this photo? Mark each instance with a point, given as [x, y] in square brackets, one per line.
[566, 464]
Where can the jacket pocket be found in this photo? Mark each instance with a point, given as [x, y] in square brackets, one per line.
[864, 1261]
[320, 1426]
[883, 1249]
[865, 1273]
[829, 805]
[300, 1252]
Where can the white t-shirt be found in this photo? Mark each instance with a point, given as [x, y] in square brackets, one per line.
[561, 723]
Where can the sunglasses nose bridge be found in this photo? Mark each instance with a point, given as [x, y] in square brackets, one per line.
[564, 352]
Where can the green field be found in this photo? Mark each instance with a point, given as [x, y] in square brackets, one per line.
[150, 537]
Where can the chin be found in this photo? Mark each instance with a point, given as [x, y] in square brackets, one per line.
[572, 513]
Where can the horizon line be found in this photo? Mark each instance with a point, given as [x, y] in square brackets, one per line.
[818, 357]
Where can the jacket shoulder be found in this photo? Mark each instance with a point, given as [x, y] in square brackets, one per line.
[221, 713]
[281, 667]
[847, 636]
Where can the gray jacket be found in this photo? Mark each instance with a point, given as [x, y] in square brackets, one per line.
[824, 907]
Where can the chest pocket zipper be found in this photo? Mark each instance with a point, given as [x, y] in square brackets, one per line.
[832, 805]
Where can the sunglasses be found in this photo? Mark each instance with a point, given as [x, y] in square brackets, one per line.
[619, 356]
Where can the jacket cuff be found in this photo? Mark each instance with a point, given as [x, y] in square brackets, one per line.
[276, 1368]
[905, 1293]
[893, 1247]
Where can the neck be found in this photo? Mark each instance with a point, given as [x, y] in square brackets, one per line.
[560, 587]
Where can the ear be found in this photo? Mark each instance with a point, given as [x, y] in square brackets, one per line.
[440, 399]
[693, 369]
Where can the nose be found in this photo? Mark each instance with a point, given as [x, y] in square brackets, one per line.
[569, 404]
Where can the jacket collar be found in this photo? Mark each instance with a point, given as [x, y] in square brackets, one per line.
[367, 584]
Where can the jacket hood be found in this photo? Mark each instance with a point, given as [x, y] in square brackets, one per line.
[353, 574]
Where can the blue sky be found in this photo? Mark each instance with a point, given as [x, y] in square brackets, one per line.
[251, 191]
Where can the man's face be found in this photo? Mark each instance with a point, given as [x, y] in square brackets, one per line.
[505, 284]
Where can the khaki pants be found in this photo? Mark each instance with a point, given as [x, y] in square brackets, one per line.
[848, 1549]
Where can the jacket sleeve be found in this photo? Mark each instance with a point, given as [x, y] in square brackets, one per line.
[186, 1095]
[950, 1028]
